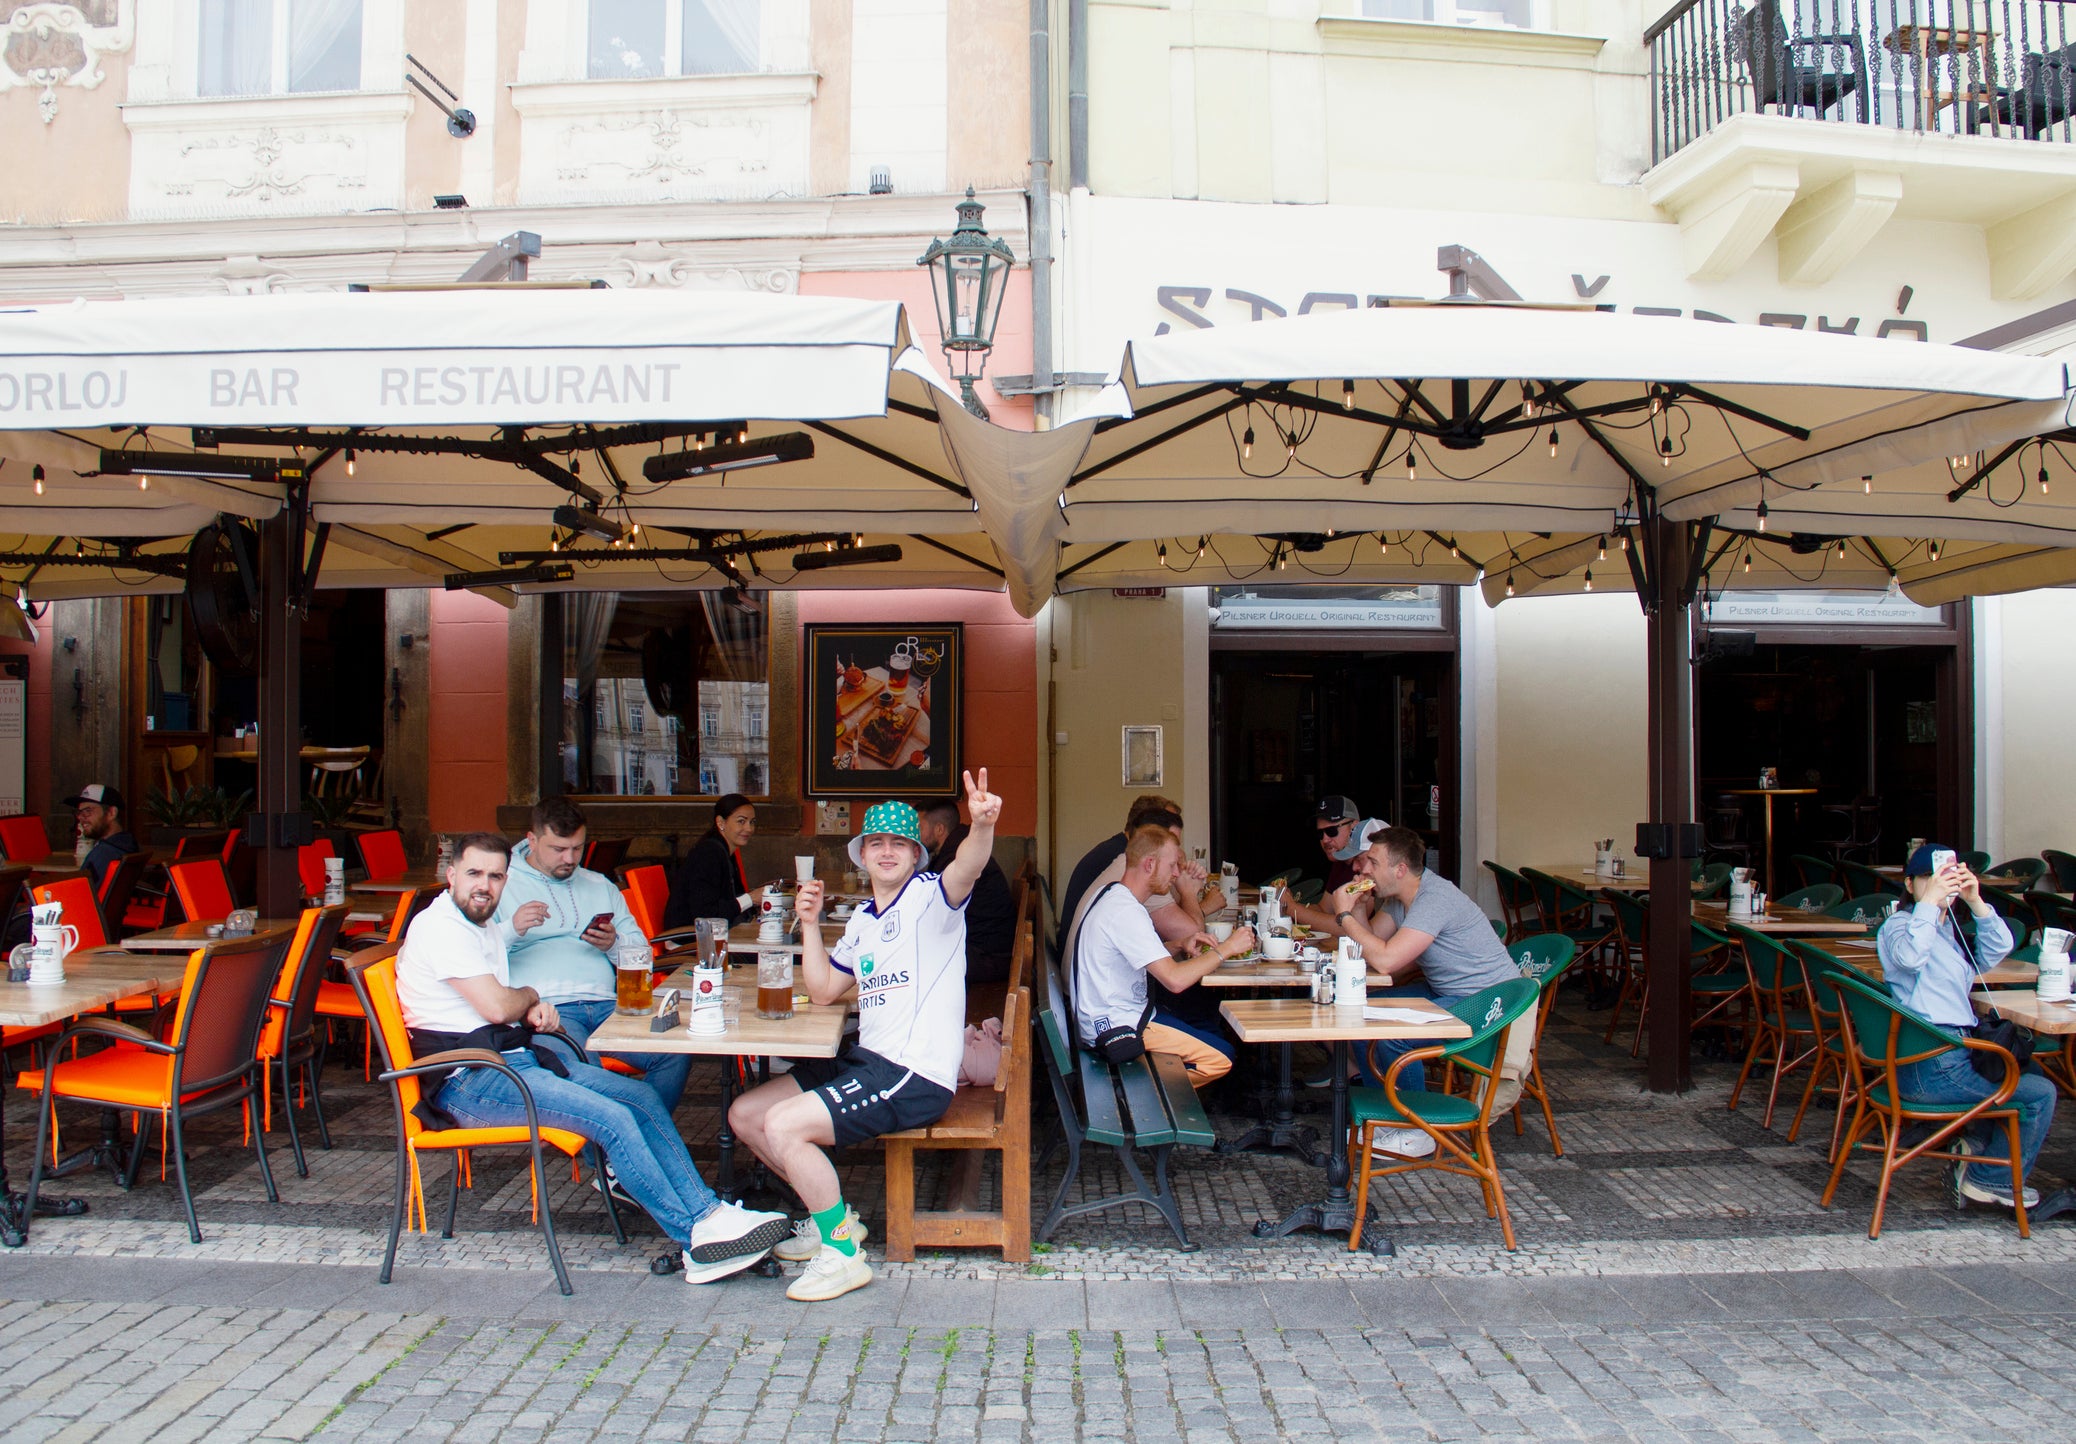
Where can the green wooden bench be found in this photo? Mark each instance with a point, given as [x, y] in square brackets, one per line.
[1143, 1106]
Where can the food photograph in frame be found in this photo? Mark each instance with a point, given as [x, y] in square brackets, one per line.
[883, 710]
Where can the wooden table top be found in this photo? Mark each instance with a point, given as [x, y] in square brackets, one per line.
[94, 978]
[1269, 975]
[186, 937]
[743, 938]
[1636, 876]
[406, 882]
[1298, 1020]
[1862, 954]
[1778, 921]
[2023, 1007]
[814, 1031]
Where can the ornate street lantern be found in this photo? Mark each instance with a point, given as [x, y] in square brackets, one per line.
[968, 276]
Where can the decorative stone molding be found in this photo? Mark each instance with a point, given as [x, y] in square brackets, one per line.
[261, 155]
[695, 137]
[50, 45]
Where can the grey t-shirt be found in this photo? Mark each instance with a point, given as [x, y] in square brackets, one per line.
[1466, 954]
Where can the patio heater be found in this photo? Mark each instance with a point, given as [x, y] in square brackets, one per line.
[969, 275]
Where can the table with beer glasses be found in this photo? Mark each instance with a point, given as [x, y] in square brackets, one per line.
[94, 978]
[1299, 1020]
[814, 1031]
[1279, 1128]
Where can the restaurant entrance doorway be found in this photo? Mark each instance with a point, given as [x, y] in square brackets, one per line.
[1288, 727]
[1880, 723]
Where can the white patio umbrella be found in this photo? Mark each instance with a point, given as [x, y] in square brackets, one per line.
[1486, 417]
[442, 430]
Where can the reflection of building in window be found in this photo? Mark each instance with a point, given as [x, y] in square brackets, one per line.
[709, 720]
[753, 719]
[634, 711]
[732, 735]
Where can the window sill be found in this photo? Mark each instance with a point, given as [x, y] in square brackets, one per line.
[1468, 44]
[764, 87]
[196, 112]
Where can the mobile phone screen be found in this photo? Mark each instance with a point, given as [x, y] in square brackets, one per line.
[603, 920]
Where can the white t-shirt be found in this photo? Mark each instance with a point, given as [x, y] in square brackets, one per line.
[1115, 944]
[442, 944]
[910, 963]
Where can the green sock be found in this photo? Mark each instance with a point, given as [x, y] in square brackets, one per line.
[834, 1222]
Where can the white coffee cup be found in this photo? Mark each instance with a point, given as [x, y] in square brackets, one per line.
[804, 869]
[1278, 949]
[1221, 929]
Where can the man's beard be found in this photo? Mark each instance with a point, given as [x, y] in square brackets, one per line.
[478, 912]
[564, 872]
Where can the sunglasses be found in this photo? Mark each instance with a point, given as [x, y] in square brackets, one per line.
[1330, 831]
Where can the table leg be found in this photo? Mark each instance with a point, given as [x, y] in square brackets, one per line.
[1336, 1212]
[14, 1217]
[1767, 840]
[1281, 1128]
[724, 1172]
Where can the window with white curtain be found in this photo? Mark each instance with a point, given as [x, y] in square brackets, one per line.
[1478, 14]
[630, 39]
[278, 47]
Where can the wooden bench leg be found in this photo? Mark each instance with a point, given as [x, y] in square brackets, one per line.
[900, 1200]
[1016, 1200]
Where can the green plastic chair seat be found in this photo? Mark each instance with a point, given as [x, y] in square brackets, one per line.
[1367, 1105]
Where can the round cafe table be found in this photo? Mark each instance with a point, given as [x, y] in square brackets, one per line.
[1769, 793]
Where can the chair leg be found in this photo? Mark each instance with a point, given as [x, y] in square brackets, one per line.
[1751, 1056]
[454, 1195]
[1817, 1066]
[2018, 1183]
[1842, 1147]
[540, 1186]
[187, 1199]
[612, 1208]
[404, 1170]
[900, 1191]
[288, 1110]
[1494, 1189]
[1361, 1166]
[259, 1146]
[1542, 1096]
[1890, 1129]
[324, 1133]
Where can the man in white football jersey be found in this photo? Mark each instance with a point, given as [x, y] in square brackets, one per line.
[905, 955]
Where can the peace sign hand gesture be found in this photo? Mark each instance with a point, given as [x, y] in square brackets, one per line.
[982, 806]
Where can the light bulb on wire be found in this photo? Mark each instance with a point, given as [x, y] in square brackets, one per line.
[1761, 514]
[1747, 563]
[1200, 547]
[349, 461]
[1510, 584]
[1867, 485]
[1665, 451]
[1347, 395]
[1162, 553]
[1412, 467]
[1247, 445]
[1603, 548]
[36, 475]
[2042, 479]
[1589, 579]
[1553, 443]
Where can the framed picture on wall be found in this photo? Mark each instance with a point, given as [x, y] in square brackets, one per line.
[883, 710]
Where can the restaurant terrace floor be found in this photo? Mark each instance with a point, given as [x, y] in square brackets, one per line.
[1648, 1184]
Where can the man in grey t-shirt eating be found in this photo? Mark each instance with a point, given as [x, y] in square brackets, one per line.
[1426, 936]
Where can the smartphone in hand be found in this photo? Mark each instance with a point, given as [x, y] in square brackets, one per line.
[603, 920]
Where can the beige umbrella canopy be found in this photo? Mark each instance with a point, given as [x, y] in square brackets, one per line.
[658, 441]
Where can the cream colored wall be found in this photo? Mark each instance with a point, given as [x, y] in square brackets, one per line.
[988, 62]
[77, 168]
[1570, 734]
[2039, 785]
[1118, 662]
[1274, 101]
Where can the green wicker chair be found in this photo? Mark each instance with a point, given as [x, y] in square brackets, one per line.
[1781, 1022]
[1546, 958]
[1816, 897]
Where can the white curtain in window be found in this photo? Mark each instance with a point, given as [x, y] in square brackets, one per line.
[738, 637]
[590, 619]
[324, 45]
[236, 56]
[721, 36]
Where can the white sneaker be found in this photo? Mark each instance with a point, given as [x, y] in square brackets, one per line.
[1976, 1193]
[730, 1233]
[829, 1275]
[1402, 1143]
[806, 1241]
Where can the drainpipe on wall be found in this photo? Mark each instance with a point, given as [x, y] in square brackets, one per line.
[1077, 94]
[1041, 210]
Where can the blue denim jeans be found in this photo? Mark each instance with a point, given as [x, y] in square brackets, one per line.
[618, 1113]
[1950, 1078]
[1392, 1049]
[664, 1072]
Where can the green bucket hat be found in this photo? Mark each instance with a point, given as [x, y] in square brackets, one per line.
[894, 819]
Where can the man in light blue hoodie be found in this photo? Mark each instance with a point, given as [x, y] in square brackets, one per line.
[546, 912]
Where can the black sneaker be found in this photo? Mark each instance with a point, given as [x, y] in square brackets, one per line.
[606, 1181]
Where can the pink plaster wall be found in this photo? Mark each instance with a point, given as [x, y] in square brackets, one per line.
[1012, 353]
[466, 746]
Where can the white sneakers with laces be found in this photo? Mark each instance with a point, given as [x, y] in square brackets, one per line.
[1402, 1143]
[729, 1239]
[806, 1241]
[830, 1274]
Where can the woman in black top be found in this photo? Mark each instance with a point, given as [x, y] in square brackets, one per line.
[709, 883]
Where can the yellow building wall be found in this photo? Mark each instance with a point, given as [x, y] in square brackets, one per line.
[1571, 704]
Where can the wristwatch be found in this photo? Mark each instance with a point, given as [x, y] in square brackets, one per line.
[1344, 913]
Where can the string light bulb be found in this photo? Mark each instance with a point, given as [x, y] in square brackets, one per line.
[1412, 467]
[1200, 547]
[1529, 410]
[1841, 549]
[36, 475]
[1603, 548]
[1935, 551]
[1162, 553]
[1290, 446]
[1452, 550]
[1624, 539]
[1748, 562]
[349, 461]
[1383, 546]
[143, 482]
[1867, 485]
[1665, 451]
[1247, 445]
[1657, 400]
[1761, 514]
[2042, 478]
[1510, 584]
[1347, 395]
[1553, 443]
[1589, 579]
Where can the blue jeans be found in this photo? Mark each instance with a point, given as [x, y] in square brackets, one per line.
[1950, 1078]
[664, 1072]
[618, 1113]
[1392, 1049]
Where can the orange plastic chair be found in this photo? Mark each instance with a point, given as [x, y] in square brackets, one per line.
[76, 896]
[147, 909]
[382, 854]
[24, 838]
[210, 1063]
[288, 1039]
[374, 978]
[204, 889]
[647, 892]
[310, 867]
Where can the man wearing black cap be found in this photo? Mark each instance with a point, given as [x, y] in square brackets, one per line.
[99, 814]
[1931, 970]
[1343, 834]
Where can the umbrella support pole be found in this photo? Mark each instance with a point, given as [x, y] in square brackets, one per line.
[1669, 1012]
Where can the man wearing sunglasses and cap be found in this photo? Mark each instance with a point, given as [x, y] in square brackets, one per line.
[904, 953]
[1931, 969]
[1343, 834]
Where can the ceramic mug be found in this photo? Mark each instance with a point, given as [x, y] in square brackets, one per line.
[1278, 949]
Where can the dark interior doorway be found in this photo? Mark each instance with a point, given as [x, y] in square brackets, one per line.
[1288, 727]
[1851, 721]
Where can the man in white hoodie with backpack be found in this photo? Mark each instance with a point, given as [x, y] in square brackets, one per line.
[561, 922]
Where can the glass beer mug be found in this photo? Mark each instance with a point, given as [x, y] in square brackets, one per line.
[774, 982]
[634, 978]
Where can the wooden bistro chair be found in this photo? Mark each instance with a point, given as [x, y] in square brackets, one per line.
[1813, 870]
[1716, 986]
[1816, 897]
[1460, 1127]
[1782, 1031]
[1869, 908]
[288, 1043]
[1632, 959]
[211, 1061]
[2061, 867]
[1546, 959]
[1884, 1035]
[1864, 881]
[373, 972]
[1569, 911]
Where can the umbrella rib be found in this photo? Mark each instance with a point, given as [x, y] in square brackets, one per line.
[1636, 477]
[1982, 473]
[955, 552]
[1412, 389]
[879, 454]
[1088, 560]
[1405, 404]
[1111, 423]
[1242, 399]
[1722, 403]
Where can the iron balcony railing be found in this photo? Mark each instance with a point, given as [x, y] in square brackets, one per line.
[1970, 67]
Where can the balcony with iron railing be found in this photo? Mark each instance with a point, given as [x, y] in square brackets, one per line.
[1814, 122]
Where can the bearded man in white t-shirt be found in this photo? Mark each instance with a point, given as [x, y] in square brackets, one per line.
[904, 954]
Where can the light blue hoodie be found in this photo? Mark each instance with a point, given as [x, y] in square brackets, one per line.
[552, 958]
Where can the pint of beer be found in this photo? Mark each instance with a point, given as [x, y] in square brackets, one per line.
[774, 982]
[634, 979]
